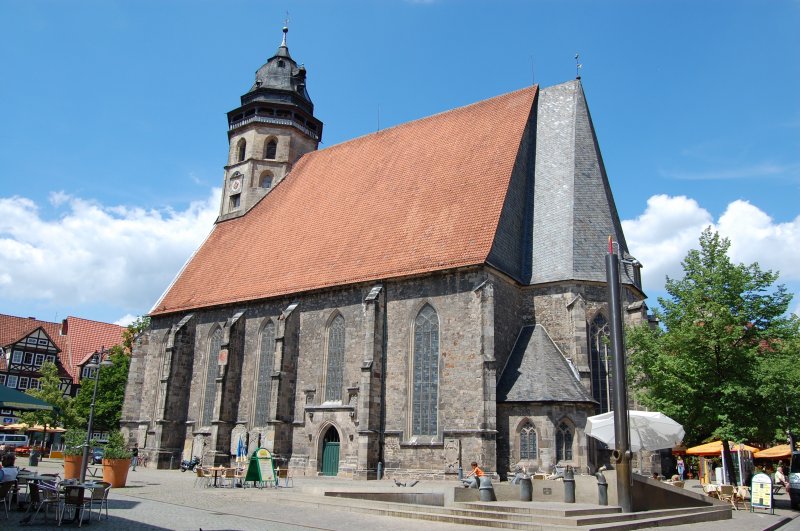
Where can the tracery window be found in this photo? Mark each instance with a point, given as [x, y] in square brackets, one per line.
[425, 387]
[266, 361]
[527, 442]
[271, 149]
[214, 345]
[335, 368]
[600, 361]
[563, 443]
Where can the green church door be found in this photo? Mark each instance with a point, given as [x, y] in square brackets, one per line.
[330, 453]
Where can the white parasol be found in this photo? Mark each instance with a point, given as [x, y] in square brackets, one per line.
[650, 430]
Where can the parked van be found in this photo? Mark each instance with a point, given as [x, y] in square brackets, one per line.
[794, 480]
[13, 440]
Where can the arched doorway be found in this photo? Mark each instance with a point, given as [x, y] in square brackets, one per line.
[330, 452]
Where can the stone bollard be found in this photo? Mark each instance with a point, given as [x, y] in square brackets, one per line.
[569, 485]
[380, 469]
[486, 489]
[525, 488]
[602, 488]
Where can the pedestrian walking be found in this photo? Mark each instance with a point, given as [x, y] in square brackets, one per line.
[134, 456]
[681, 468]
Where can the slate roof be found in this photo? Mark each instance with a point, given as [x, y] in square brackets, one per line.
[83, 337]
[537, 371]
[420, 197]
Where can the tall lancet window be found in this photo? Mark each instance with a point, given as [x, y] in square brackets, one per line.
[527, 442]
[271, 149]
[563, 443]
[335, 369]
[601, 362]
[425, 389]
[266, 360]
[241, 150]
[214, 344]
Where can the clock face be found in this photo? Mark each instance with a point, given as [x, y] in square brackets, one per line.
[236, 185]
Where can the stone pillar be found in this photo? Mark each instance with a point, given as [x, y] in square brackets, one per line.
[579, 348]
[370, 390]
[488, 424]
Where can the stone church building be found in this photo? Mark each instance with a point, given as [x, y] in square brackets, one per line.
[420, 297]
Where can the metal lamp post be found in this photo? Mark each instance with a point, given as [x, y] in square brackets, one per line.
[100, 363]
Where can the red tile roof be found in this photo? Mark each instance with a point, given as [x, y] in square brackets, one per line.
[420, 197]
[82, 339]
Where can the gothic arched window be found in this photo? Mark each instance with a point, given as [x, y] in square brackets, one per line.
[425, 388]
[214, 345]
[271, 149]
[265, 181]
[241, 150]
[335, 365]
[563, 443]
[527, 442]
[266, 361]
[600, 362]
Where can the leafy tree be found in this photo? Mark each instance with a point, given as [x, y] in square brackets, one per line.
[723, 327]
[110, 385]
[51, 392]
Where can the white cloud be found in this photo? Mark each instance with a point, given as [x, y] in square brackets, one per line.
[120, 256]
[126, 319]
[670, 226]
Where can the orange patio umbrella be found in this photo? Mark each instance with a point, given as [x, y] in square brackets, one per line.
[781, 451]
[715, 448]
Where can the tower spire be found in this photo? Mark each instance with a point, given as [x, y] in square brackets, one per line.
[285, 29]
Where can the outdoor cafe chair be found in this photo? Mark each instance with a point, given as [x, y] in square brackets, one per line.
[229, 477]
[74, 496]
[43, 495]
[200, 477]
[5, 491]
[727, 493]
[741, 495]
[208, 475]
[100, 496]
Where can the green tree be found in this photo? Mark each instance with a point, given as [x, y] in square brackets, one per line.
[50, 391]
[723, 325]
[110, 384]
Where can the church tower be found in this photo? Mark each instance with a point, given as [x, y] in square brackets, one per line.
[272, 128]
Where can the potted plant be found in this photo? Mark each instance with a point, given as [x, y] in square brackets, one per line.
[74, 440]
[116, 460]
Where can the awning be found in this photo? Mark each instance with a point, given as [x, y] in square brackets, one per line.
[780, 451]
[13, 399]
[715, 448]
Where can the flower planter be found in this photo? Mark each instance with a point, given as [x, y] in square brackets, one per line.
[115, 471]
[72, 466]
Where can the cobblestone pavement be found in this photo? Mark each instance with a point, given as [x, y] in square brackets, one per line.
[166, 499]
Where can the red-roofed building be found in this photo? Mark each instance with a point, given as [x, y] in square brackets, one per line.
[430, 291]
[26, 343]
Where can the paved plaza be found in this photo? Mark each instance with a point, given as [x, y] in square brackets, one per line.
[167, 499]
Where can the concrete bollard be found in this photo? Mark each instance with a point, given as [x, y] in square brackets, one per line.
[525, 488]
[569, 485]
[602, 488]
[486, 489]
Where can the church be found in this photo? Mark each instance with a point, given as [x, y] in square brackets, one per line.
[408, 301]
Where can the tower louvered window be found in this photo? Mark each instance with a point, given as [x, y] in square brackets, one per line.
[335, 369]
[425, 398]
[241, 150]
[214, 345]
[563, 443]
[527, 442]
[600, 360]
[271, 150]
[266, 361]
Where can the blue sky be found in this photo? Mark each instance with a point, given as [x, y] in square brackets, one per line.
[114, 131]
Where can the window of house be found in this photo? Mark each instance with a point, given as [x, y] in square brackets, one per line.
[600, 362]
[12, 381]
[281, 64]
[271, 149]
[16, 357]
[51, 358]
[236, 201]
[88, 372]
[266, 180]
[28, 358]
[241, 150]
[23, 383]
[39, 359]
[527, 442]
[35, 383]
[214, 346]
[425, 387]
[563, 443]
[266, 361]
[2, 379]
[335, 369]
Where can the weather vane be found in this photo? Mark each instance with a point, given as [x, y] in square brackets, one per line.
[578, 66]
